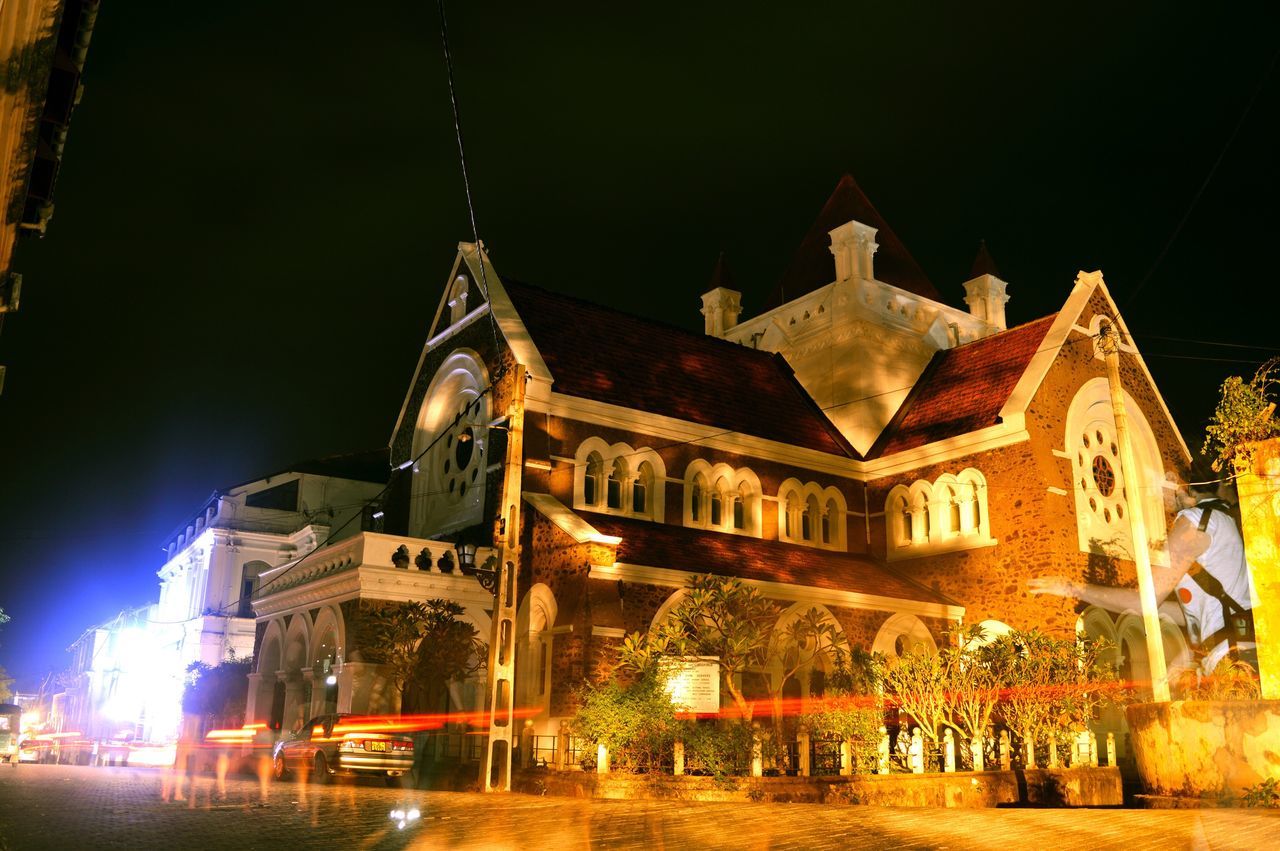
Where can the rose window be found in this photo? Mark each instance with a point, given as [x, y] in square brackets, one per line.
[1104, 478]
[462, 455]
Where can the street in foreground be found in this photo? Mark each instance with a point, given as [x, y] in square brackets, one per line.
[78, 807]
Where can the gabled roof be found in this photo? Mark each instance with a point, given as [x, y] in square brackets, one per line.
[723, 554]
[814, 267]
[601, 354]
[963, 389]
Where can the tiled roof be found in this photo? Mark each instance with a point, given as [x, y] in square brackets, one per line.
[814, 267]
[723, 554]
[962, 389]
[597, 353]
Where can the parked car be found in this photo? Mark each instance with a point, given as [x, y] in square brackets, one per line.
[344, 744]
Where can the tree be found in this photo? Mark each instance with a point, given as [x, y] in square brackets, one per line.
[852, 709]
[449, 650]
[1243, 416]
[218, 693]
[720, 617]
[973, 682]
[6, 686]
[422, 645]
[917, 682]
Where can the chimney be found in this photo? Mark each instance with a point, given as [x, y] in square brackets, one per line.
[985, 291]
[853, 244]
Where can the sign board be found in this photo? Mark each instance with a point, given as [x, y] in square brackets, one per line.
[694, 683]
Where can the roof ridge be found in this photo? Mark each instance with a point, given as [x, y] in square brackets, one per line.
[693, 335]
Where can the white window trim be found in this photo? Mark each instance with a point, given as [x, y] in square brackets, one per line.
[734, 483]
[804, 492]
[926, 501]
[631, 459]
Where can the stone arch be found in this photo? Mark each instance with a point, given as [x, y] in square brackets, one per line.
[1089, 441]
[328, 637]
[899, 633]
[271, 654]
[297, 643]
[667, 605]
[535, 643]
[1131, 641]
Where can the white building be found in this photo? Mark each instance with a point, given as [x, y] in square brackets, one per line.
[129, 672]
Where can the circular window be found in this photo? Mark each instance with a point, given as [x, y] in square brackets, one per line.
[1098, 434]
[1104, 478]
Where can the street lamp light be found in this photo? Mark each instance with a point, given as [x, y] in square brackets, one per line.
[485, 574]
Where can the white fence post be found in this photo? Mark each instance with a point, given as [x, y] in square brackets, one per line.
[948, 751]
[1053, 750]
[677, 767]
[846, 757]
[802, 746]
[1111, 749]
[602, 759]
[757, 753]
[975, 754]
[916, 752]
[882, 758]
[1006, 761]
[1093, 749]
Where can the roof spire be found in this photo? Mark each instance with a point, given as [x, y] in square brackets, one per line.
[720, 277]
[982, 263]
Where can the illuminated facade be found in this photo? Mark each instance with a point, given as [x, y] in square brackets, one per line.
[128, 674]
[861, 447]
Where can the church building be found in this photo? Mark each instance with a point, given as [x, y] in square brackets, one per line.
[902, 464]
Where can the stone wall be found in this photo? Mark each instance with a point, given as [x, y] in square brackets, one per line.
[1210, 749]
[1069, 787]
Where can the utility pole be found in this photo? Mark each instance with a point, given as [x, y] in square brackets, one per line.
[1109, 343]
[506, 540]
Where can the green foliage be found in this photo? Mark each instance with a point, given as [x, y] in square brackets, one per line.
[422, 645]
[736, 623]
[852, 709]
[1243, 416]
[636, 721]
[717, 748]
[218, 693]
[917, 681]
[1265, 794]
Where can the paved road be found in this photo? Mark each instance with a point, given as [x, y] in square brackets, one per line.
[64, 807]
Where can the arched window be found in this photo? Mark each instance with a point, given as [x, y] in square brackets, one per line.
[593, 479]
[791, 518]
[951, 504]
[640, 488]
[617, 481]
[458, 300]
[698, 500]
[719, 497]
[829, 520]
[908, 526]
[922, 517]
[740, 504]
[809, 518]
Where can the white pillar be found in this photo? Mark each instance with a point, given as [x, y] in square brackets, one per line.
[678, 760]
[802, 745]
[1006, 762]
[882, 758]
[1053, 751]
[949, 751]
[1111, 749]
[975, 753]
[602, 759]
[1029, 747]
[846, 757]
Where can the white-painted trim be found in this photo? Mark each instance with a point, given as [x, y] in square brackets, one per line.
[1057, 491]
[568, 521]
[530, 464]
[682, 431]
[939, 452]
[608, 631]
[1061, 453]
[781, 591]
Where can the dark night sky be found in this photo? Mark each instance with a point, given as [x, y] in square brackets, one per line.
[260, 201]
